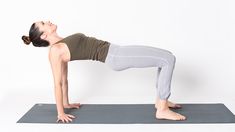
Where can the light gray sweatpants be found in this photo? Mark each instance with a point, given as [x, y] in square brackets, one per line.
[138, 56]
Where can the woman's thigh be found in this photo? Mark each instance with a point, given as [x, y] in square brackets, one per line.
[139, 56]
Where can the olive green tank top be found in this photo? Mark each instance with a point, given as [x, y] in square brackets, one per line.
[82, 47]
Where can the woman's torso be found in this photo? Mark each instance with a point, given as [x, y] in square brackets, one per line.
[81, 47]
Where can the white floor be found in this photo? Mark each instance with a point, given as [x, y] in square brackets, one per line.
[14, 106]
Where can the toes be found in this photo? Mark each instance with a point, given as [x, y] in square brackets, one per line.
[182, 117]
[169, 115]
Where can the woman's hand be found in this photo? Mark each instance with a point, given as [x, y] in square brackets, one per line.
[74, 105]
[65, 118]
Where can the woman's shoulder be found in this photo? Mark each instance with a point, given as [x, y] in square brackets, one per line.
[57, 51]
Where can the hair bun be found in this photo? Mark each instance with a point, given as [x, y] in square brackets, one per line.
[26, 40]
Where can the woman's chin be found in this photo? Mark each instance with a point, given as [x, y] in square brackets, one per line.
[55, 28]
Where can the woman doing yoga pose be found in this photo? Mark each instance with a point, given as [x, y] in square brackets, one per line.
[81, 47]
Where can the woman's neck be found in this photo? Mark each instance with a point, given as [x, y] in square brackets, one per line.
[54, 38]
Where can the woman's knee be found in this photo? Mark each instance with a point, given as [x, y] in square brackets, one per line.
[167, 51]
[171, 59]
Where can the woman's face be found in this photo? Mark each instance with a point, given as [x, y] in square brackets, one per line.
[46, 27]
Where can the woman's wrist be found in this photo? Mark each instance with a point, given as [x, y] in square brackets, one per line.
[60, 114]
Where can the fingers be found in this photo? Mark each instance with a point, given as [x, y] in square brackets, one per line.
[75, 105]
[71, 116]
[65, 119]
[58, 120]
[78, 104]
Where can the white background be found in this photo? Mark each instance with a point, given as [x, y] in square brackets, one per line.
[200, 33]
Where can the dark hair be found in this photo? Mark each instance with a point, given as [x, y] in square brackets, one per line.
[34, 37]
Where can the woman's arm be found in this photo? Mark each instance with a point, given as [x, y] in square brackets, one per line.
[56, 66]
[66, 103]
[65, 83]
[56, 61]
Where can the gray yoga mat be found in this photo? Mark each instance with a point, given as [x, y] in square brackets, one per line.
[129, 114]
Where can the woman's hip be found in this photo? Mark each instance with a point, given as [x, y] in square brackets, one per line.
[136, 56]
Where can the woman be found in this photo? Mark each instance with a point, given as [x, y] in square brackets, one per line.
[80, 47]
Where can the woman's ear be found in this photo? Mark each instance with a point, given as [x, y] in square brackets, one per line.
[43, 36]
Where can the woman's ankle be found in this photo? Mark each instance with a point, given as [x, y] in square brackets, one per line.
[161, 105]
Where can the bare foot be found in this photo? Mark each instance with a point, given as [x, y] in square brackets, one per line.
[170, 115]
[172, 105]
